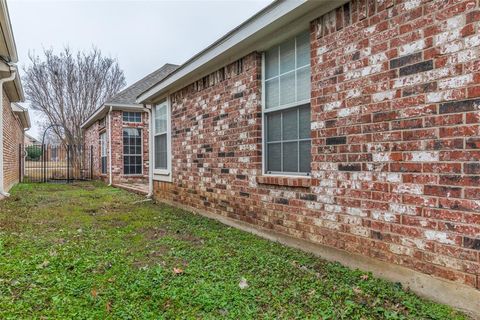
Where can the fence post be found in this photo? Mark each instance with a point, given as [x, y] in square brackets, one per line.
[44, 158]
[68, 163]
[20, 178]
[91, 162]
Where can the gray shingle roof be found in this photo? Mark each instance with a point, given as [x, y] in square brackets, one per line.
[129, 95]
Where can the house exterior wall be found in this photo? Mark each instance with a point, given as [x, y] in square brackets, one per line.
[92, 136]
[13, 137]
[395, 139]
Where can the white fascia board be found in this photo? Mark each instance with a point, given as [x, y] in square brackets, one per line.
[22, 114]
[7, 32]
[249, 28]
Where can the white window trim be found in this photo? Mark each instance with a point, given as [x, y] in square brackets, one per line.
[278, 108]
[141, 154]
[103, 140]
[163, 172]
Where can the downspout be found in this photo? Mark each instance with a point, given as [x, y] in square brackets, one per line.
[110, 181]
[2, 81]
[150, 152]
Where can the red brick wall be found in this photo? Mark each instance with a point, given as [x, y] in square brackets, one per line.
[92, 136]
[13, 136]
[396, 139]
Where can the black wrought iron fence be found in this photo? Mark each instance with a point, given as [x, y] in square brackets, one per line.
[56, 163]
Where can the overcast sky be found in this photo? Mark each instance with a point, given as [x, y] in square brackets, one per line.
[142, 35]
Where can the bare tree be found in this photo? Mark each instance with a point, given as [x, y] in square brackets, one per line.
[66, 88]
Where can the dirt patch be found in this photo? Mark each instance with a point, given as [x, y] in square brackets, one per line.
[189, 238]
[152, 258]
[9, 225]
[153, 233]
[84, 186]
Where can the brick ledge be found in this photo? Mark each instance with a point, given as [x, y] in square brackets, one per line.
[298, 182]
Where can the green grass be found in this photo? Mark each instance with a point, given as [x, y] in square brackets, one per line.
[87, 251]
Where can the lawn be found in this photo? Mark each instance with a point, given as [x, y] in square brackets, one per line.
[87, 251]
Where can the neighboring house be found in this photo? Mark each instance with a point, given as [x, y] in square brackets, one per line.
[14, 119]
[29, 140]
[350, 129]
[118, 132]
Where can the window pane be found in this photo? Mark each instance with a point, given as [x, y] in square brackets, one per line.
[132, 146]
[274, 123]
[304, 123]
[287, 55]
[271, 63]
[274, 157]
[161, 151]
[289, 151]
[271, 93]
[303, 49]
[289, 127]
[104, 164]
[305, 156]
[287, 88]
[161, 118]
[290, 157]
[303, 84]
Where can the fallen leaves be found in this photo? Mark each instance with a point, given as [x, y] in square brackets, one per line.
[177, 270]
[243, 284]
[108, 306]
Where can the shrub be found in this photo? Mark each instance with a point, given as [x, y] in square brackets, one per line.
[34, 153]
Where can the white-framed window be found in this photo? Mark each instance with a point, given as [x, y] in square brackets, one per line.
[132, 151]
[286, 107]
[135, 117]
[103, 152]
[161, 133]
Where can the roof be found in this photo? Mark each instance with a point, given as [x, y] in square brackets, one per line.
[276, 22]
[129, 95]
[8, 56]
[125, 99]
[8, 50]
[22, 114]
[32, 138]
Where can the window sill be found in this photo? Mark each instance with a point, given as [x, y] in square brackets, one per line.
[298, 182]
[161, 172]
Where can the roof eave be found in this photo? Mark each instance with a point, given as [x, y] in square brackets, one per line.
[23, 114]
[10, 53]
[103, 110]
[268, 20]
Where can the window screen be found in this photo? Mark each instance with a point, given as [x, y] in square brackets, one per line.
[287, 121]
[132, 151]
[288, 140]
[287, 73]
[103, 152]
[161, 136]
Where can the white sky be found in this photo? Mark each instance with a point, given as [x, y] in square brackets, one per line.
[142, 35]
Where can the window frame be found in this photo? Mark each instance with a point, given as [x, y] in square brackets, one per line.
[265, 111]
[128, 114]
[132, 155]
[162, 171]
[103, 139]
